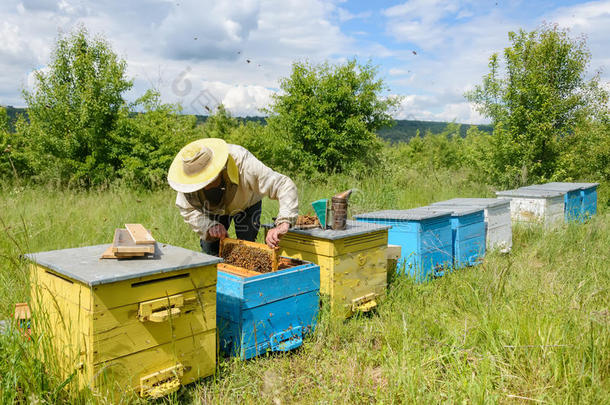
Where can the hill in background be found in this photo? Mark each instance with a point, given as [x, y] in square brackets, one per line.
[402, 131]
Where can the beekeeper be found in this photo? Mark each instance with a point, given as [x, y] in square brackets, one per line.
[220, 183]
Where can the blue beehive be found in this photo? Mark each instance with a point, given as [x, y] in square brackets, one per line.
[468, 233]
[498, 230]
[588, 192]
[424, 236]
[262, 312]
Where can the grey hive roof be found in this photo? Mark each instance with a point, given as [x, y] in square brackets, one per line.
[353, 228]
[559, 186]
[84, 264]
[455, 210]
[529, 193]
[414, 214]
[478, 202]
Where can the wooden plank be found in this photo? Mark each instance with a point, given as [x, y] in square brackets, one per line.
[59, 285]
[109, 254]
[123, 243]
[139, 234]
[107, 296]
[394, 252]
[238, 271]
[68, 325]
[196, 353]
[118, 332]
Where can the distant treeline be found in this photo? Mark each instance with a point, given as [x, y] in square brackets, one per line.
[402, 131]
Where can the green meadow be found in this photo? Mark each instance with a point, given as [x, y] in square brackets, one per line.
[532, 326]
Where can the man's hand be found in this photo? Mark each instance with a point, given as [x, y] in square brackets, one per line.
[274, 235]
[218, 231]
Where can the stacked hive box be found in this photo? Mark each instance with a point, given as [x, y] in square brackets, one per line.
[146, 324]
[352, 263]
[498, 228]
[535, 206]
[261, 312]
[424, 237]
[468, 233]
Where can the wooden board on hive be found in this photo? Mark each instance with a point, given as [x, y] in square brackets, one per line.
[123, 243]
[139, 234]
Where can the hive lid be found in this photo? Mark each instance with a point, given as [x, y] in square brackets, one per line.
[84, 264]
[530, 193]
[563, 187]
[352, 228]
[455, 210]
[478, 202]
[579, 186]
[413, 214]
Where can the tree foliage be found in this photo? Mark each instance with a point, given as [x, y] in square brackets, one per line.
[146, 143]
[536, 98]
[73, 107]
[329, 114]
[82, 132]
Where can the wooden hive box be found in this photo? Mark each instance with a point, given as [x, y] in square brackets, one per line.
[353, 264]
[147, 324]
[588, 192]
[467, 233]
[572, 198]
[424, 236]
[498, 229]
[580, 201]
[544, 207]
[266, 312]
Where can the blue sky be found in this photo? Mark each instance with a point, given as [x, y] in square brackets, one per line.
[200, 53]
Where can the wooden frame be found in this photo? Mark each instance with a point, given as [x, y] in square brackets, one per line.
[259, 246]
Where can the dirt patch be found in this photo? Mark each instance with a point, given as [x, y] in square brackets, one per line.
[247, 257]
[307, 220]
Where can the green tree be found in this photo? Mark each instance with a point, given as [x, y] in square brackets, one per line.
[146, 143]
[5, 146]
[539, 98]
[329, 114]
[73, 107]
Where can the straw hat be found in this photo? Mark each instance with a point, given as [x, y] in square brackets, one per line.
[198, 164]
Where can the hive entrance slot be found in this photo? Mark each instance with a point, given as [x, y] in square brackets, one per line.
[158, 280]
[60, 277]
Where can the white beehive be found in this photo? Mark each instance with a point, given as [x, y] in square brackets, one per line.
[535, 206]
[499, 234]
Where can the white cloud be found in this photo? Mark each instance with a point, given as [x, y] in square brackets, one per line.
[453, 41]
[593, 20]
[398, 72]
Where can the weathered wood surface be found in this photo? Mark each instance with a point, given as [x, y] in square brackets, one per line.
[139, 234]
[123, 243]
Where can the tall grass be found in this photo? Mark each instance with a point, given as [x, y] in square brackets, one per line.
[531, 326]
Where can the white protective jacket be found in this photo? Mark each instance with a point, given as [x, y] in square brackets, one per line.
[255, 182]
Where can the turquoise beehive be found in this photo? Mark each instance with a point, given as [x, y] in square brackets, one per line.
[267, 312]
[424, 236]
[467, 233]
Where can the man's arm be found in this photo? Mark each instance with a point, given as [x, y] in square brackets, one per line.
[273, 185]
[198, 220]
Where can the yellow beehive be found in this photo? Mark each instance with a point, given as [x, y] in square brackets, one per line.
[353, 264]
[147, 324]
